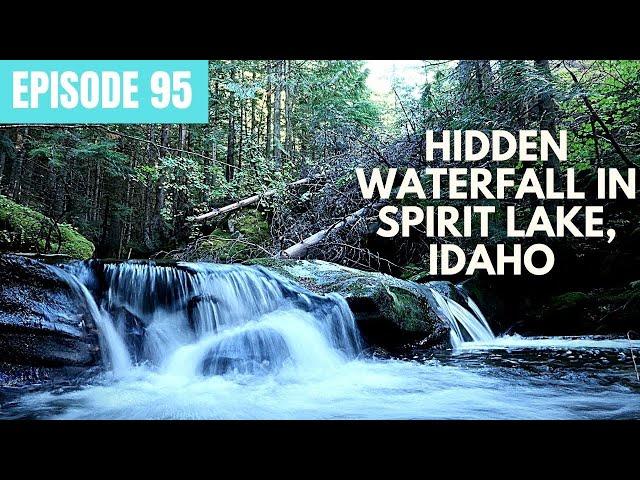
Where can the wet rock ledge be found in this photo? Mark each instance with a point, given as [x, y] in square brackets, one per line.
[45, 325]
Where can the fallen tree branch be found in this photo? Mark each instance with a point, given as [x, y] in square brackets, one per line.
[300, 250]
[246, 201]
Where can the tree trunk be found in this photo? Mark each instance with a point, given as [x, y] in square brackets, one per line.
[164, 139]
[230, 147]
[253, 109]
[126, 220]
[231, 134]
[102, 247]
[3, 158]
[148, 191]
[465, 68]
[214, 129]
[184, 133]
[160, 188]
[96, 191]
[547, 112]
[16, 171]
[267, 150]
[241, 135]
[288, 107]
[484, 79]
[277, 99]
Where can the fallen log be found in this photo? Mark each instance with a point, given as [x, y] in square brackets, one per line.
[246, 201]
[300, 250]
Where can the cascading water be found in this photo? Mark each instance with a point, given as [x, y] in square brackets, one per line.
[191, 341]
[466, 324]
[209, 319]
[113, 347]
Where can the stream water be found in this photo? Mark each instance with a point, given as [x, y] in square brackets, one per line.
[205, 341]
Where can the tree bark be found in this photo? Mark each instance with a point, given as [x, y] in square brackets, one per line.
[267, 149]
[184, 133]
[253, 108]
[148, 191]
[16, 170]
[288, 107]
[230, 148]
[231, 135]
[160, 189]
[164, 140]
[465, 68]
[277, 99]
[3, 158]
[214, 140]
[241, 135]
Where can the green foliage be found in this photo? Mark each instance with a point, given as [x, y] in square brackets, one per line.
[568, 300]
[245, 237]
[24, 229]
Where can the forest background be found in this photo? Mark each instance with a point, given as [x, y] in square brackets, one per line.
[288, 135]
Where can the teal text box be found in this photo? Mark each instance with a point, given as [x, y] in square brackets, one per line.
[41, 78]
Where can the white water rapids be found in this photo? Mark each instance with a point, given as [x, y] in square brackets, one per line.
[232, 342]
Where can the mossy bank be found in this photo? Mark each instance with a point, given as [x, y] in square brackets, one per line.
[23, 229]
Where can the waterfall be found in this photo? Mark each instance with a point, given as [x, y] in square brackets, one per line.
[207, 319]
[113, 348]
[467, 324]
[204, 319]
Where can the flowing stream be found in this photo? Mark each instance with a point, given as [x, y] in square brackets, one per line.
[226, 341]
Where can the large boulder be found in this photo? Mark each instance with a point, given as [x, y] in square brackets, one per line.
[389, 311]
[45, 322]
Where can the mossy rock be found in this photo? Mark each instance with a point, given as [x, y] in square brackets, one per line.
[389, 311]
[44, 322]
[21, 229]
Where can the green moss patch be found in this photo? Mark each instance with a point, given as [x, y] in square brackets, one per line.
[568, 300]
[245, 238]
[24, 229]
[407, 309]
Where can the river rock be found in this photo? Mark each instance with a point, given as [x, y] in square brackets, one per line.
[389, 311]
[44, 321]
